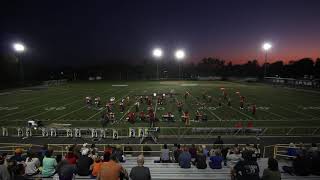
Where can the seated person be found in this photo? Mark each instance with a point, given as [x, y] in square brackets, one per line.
[272, 172]
[292, 150]
[200, 159]
[165, 154]
[185, 158]
[193, 151]
[216, 160]
[84, 162]
[233, 157]
[140, 172]
[246, 169]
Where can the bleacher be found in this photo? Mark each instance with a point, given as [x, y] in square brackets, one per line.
[172, 171]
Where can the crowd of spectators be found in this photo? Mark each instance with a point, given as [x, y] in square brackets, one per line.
[82, 160]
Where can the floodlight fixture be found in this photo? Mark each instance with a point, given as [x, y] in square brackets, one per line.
[180, 54]
[18, 47]
[266, 46]
[157, 52]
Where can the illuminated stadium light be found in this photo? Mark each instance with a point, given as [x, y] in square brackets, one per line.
[154, 94]
[180, 54]
[18, 47]
[266, 46]
[157, 52]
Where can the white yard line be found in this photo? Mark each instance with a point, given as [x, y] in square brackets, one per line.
[52, 110]
[34, 107]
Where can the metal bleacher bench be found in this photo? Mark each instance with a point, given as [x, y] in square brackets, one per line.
[172, 171]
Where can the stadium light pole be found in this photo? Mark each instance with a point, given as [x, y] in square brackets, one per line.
[266, 47]
[157, 54]
[180, 55]
[19, 48]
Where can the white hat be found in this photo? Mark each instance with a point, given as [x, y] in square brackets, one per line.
[84, 151]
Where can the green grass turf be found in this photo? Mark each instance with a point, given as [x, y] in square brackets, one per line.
[285, 105]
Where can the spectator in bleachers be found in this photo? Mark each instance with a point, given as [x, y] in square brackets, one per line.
[84, 162]
[4, 173]
[106, 156]
[205, 151]
[119, 153]
[18, 156]
[216, 160]
[165, 154]
[65, 170]
[292, 151]
[248, 147]
[272, 172]
[224, 153]
[70, 156]
[176, 152]
[112, 170]
[5, 156]
[315, 164]
[185, 158]
[301, 165]
[95, 167]
[140, 172]
[12, 166]
[43, 150]
[313, 148]
[200, 160]
[20, 172]
[233, 157]
[49, 164]
[32, 164]
[257, 151]
[193, 151]
[246, 169]
[108, 149]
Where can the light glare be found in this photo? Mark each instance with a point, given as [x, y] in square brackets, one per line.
[18, 47]
[180, 54]
[157, 52]
[266, 46]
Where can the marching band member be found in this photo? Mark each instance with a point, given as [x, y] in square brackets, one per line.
[179, 105]
[254, 109]
[88, 101]
[198, 115]
[137, 105]
[142, 116]
[229, 101]
[97, 101]
[131, 117]
[121, 107]
[186, 118]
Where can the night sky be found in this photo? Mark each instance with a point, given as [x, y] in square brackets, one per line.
[66, 32]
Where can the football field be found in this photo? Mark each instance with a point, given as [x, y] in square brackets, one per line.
[65, 104]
